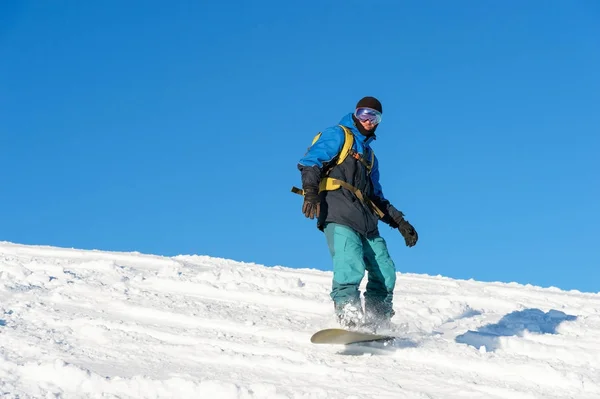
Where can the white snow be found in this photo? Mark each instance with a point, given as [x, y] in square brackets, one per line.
[91, 324]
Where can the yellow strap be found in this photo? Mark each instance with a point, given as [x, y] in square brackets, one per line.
[348, 142]
[348, 147]
[330, 183]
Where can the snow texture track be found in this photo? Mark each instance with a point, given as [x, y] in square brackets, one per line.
[86, 324]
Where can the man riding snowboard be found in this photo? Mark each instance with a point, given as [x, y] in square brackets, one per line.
[341, 189]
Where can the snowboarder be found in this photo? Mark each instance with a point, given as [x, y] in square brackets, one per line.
[341, 189]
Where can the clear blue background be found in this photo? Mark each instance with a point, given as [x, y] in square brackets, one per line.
[175, 128]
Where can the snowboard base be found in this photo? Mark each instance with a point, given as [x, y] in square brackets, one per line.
[339, 336]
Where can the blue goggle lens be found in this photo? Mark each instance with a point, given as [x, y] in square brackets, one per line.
[368, 114]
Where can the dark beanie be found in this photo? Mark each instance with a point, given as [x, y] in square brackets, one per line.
[370, 102]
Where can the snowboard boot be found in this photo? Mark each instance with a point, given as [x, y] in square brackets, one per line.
[350, 315]
[377, 318]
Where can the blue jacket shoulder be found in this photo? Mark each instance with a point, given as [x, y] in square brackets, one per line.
[325, 148]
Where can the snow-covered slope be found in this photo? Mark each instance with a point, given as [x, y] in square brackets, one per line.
[78, 324]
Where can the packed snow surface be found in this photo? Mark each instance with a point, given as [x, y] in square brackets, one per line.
[91, 324]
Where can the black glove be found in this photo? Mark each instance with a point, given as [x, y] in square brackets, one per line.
[408, 232]
[312, 205]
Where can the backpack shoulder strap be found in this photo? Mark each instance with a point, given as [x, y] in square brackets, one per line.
[348, 143]
[347, 149]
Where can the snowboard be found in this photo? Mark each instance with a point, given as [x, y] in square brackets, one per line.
[339, 336]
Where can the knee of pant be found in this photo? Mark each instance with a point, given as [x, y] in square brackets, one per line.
[347, 279]
[390, 282]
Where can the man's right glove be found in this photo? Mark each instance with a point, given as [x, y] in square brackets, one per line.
[408, 232]
[312, 204]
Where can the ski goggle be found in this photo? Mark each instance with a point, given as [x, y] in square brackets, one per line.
[368, 114]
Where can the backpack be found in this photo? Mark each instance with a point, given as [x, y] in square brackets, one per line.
[330, 183]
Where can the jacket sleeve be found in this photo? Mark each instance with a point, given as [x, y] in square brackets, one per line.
[319, 156]
[392, 215]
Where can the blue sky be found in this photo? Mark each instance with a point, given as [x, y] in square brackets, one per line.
[175, 128]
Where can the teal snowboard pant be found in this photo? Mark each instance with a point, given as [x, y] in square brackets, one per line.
[353, 254]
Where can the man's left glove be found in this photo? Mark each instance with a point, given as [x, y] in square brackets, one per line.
[407, 230]
[409, 233]
[312, 204]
